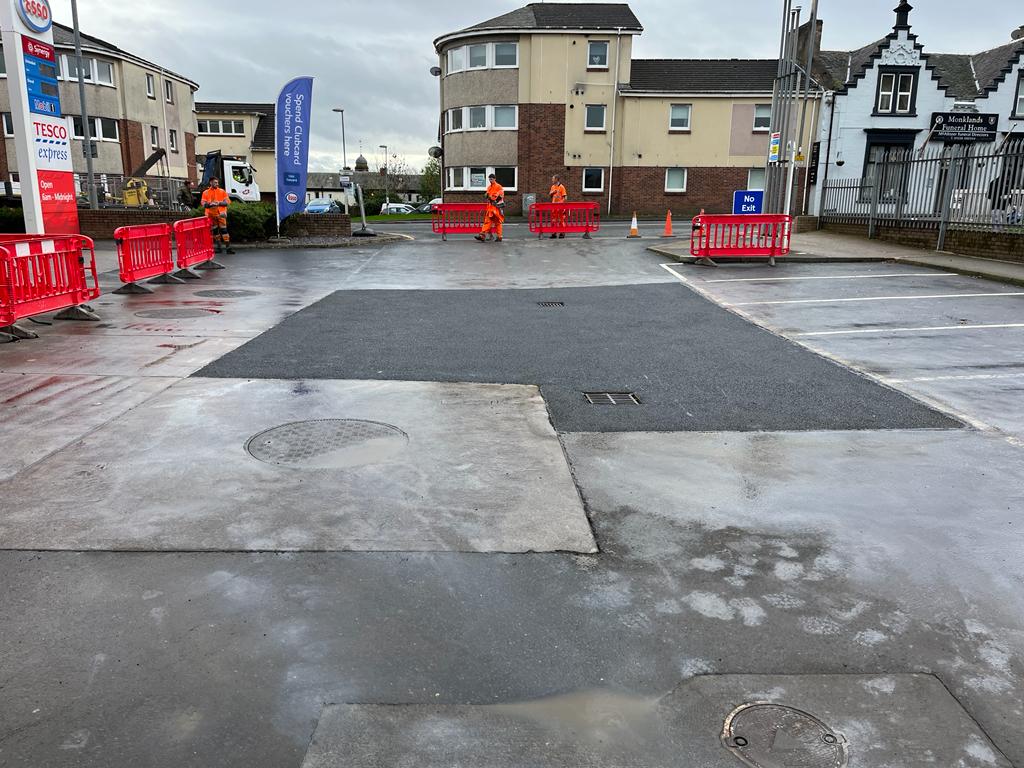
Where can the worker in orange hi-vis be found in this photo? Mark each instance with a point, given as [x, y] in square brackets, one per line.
[494, 217]
[216, 201]
[559, 216]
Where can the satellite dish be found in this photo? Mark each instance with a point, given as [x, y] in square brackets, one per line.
[435, 152]
[435, 71]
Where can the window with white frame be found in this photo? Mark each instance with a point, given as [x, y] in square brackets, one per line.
[150, 86]
[3, 64]
[762, 117]
[477, 56]
[896, 92]
[505, 117]
[456, 178]
[1018, 110]
[102, 128]
[593, 179]
[172, 139]
[477, 119]
[87, 64]
[154, 136]
[8, 124]
[679, 117]
[104, 72]
[675, 179]
[755, 178]
[168, 91]
[597, 54]
[595, 117]
[454, 120]
[221, 127]
[506, 176]
[457, 59]
[506, 55]
[475, 178]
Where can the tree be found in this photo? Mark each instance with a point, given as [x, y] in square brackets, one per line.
[430, 180]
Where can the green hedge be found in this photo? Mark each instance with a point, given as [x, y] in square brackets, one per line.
[12, 221]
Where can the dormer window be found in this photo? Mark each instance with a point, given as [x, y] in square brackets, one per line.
[1018, 110]
[897, 92]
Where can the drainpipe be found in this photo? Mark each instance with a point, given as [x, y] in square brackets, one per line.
[615, 102]
[828, 158]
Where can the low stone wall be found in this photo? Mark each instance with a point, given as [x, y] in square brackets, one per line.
[805, 224]
[1006, 246]
[317, 225]
[100, 224]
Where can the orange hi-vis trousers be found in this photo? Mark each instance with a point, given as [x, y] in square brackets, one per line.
[493, 221]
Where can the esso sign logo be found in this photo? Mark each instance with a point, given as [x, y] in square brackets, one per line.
[291, 197]
[36, 14]
[51, 131]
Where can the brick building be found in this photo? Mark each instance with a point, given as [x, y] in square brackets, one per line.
[553, 88]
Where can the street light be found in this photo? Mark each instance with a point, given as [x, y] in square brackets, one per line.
[86, 128]
[387, 195]
[344, 152]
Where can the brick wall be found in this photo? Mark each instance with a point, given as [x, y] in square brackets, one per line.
[643, 190]
[1006, 246]
[101, 223]
[805, 224]
[133, 146]
[317, 225]
[542, 153]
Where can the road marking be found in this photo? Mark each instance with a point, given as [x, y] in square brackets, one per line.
[904, 330]
[882, 298]
[962, 377]
[832, 277]
[674, 273]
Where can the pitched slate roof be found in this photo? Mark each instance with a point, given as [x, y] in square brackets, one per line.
[263, 138]
[702, 76]
[64, 37]
[558, 16]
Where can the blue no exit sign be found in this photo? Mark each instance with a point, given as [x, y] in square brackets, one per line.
[747, 201]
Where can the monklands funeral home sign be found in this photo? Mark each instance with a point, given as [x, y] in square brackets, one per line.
[963, 127]
[42, 140]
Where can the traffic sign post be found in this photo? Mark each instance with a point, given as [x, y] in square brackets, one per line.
[748, 201]
[41, 138]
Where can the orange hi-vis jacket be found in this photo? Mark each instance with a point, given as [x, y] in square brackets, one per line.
[218, 195]
[558, 193]
[495, 195]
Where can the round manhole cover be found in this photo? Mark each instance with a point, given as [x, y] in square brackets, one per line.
[226, 293]
[173, 314]
[765, 735]
[327, 443]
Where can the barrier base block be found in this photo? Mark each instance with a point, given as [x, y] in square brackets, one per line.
[167, 279]
[705, 261]
[771, 261]
[6, 338]
[80, 312]
[18, 333]
[133, 289]
[211, 264]
[187, 274]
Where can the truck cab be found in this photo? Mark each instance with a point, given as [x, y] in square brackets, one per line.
[240, 181]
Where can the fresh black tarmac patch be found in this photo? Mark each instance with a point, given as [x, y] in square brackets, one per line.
[693, 365]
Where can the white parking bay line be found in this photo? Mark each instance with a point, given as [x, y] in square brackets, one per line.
[960, 377]
[674, 273]
[832, 277]
[882, 298]
[910, 330]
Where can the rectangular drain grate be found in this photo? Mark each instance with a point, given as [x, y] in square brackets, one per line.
[612, 398]
[550, 303]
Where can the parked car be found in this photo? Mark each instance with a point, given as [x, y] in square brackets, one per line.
[322, 205]
[389, 208]
[429, 207]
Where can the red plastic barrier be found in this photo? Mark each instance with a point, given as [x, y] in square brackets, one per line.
[193, 239]
[44, 273]
[565, 218]
[740, 236]
[144, 251]
[458, 218]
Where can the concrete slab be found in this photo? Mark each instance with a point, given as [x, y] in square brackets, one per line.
[905, 720]
[482, 471]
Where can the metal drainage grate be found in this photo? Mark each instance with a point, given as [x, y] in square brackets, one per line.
[327, 443]
[226, 293]
[765, 735]
[550, 303]
[612, 398]
[173, 314]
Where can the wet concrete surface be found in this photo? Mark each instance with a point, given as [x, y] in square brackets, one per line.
[781, 554]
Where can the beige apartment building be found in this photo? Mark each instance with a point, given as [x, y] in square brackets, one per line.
[135, 108]
[554, 88]
[242, 130]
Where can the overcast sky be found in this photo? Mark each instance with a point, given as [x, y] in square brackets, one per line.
[373, 58]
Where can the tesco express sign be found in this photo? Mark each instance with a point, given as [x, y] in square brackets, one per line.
[36, 14]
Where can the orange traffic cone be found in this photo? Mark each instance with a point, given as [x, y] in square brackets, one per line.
[668, 225]
[633, 230]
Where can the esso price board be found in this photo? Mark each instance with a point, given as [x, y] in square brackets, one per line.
[41, 77]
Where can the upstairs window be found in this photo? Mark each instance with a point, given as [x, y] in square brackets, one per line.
[168, 91]
[762, 117]
[478, 118]
[86, 68]
[679, 117]
[597, 54]
[150, 86]
[455, 119]
[456, 59]
[505, 117]
[1018, 110]
[172, 140]
[104, 72]
[595, 117]
[154, 136]
[8, 124]
[506, 55]
[896, 92]
[478, 56]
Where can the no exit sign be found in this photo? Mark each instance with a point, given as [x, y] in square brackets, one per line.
[747, 201]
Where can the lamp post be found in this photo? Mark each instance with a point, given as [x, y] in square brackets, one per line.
[344, 152]
[86, 128]
[387, 192]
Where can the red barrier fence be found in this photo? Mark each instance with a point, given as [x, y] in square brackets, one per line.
[740, 236]
[565, 218]
[194, 241]
[44, 273]
[143, 251]
[458, 218]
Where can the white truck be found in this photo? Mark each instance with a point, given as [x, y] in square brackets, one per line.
[237, 177]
